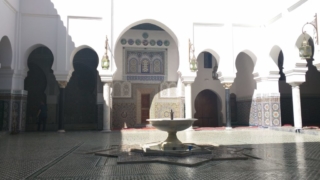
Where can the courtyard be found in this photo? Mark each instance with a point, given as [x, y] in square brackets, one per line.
[51, 155]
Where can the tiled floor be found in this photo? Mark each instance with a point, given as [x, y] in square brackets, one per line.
[52, 155]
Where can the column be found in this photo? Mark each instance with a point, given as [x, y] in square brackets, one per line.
[188, 101]
[62, 85]
[296, 101]
[106, 108]
[228, 112]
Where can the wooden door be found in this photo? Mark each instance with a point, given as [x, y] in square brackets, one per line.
[206, 105]
[145, 108]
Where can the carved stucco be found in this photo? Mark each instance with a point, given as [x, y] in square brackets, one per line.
[158, 105]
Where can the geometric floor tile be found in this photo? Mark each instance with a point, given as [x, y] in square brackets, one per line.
[50, 155]
[130, 154]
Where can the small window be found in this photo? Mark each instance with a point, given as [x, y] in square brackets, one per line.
[207, 60]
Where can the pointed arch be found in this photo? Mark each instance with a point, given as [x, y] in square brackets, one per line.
[78, 49]
[213, 52]
[31, 49]
[274, 53]
[5, 52]
[251, 54]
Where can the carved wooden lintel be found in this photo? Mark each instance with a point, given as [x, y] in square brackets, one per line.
[62, 84]
[227, 85]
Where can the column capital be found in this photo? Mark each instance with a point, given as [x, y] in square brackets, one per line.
[227, 85]
[271, 76]
[296, 76]
[107, 83]
[295, 84]
[188, 79]
[62, 84]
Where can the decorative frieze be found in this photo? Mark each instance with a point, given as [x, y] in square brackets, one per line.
[168, 90]
[122, 89]
[62, 84]
[144, 41]
[145, 65]
[227, 85]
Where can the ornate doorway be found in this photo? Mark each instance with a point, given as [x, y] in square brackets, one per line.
[81, 92]
[145, 108]
[40, 62]
[206, 105]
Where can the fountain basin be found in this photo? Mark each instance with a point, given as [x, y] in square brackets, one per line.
[168, 125]
[171, 127]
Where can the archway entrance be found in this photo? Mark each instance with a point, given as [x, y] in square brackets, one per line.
[310, 93]
[146, 85]
[243, 87]
[81, 92]
[206, 105]
[5, 61]
[285, 95]
[40, 83]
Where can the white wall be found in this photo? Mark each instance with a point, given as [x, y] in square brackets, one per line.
[8, 19]
[8, 16]
[65, 27]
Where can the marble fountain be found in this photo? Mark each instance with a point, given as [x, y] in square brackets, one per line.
[171, 126]
[172, 150]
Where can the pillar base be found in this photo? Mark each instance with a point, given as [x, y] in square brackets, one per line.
[228, 128]
[106, 131]
[61, 131]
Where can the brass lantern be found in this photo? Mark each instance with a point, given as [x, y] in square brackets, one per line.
[305, 50]
[192, 61]
[193, 64]
[105, 62]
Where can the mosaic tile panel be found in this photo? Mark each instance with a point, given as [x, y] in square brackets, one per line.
[243, 112]
[266, 110]
[100, 116]
[162, 110]
[14, 110]
[6, 115]
[123, 115]
[1, 113]
[253, 113]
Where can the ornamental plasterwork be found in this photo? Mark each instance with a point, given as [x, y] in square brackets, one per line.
[227, 85]
[122, 89]
[144, 41]
[168, 90]
[147, 65]
[62, 84]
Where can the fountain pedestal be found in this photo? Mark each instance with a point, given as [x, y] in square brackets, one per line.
[172, 143]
